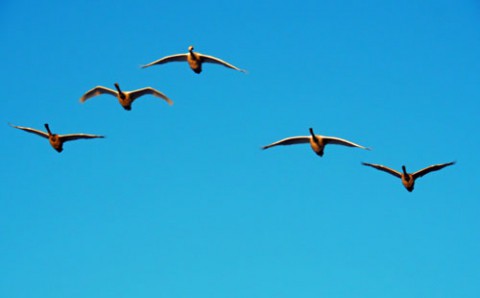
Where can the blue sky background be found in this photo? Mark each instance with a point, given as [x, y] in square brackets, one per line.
[179, 201]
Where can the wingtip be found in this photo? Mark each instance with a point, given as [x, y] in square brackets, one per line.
[452, 163]
[12, 125]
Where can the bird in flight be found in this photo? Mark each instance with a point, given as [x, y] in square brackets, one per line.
[194, 59]
[125, 98]
[317, 142]
[57, 140]
[408, 179]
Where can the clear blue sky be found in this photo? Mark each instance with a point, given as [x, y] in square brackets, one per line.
[180, 202]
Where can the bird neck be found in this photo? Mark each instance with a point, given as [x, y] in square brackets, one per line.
[405, 173]
[314, 137]
[48, 129]
[122, 95]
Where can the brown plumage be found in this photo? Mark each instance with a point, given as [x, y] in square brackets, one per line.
[408, 179]
[317, 142]
[195, 60]
[125, 98]
[57, 140]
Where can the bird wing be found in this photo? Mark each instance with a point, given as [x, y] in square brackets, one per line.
[76, 136]
[211, 59]
[383, 168]
[97, 91]
[289, 141]
[166, 59]
[28, 129]
[149, 90]
[431, 168]
[338, 141]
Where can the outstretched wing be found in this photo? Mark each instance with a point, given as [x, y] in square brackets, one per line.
[338, 141]
[431, 168]
[149, 90]
[289, 141]
[97, 91]
[383, 168]
[28, 129]
[76, 136]
[211, 59]
[171, 58]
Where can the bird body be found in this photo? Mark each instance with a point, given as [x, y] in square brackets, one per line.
[408, 179]
[56, 140]
[125, 98]
[317, 142]
[195, 60]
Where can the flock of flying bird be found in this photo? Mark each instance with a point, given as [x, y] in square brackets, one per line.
[195, 61]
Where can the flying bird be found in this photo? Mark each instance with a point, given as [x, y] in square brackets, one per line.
[125, 98]
[317, 142]
[57, 140]
[195, 60]
[408, 179]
